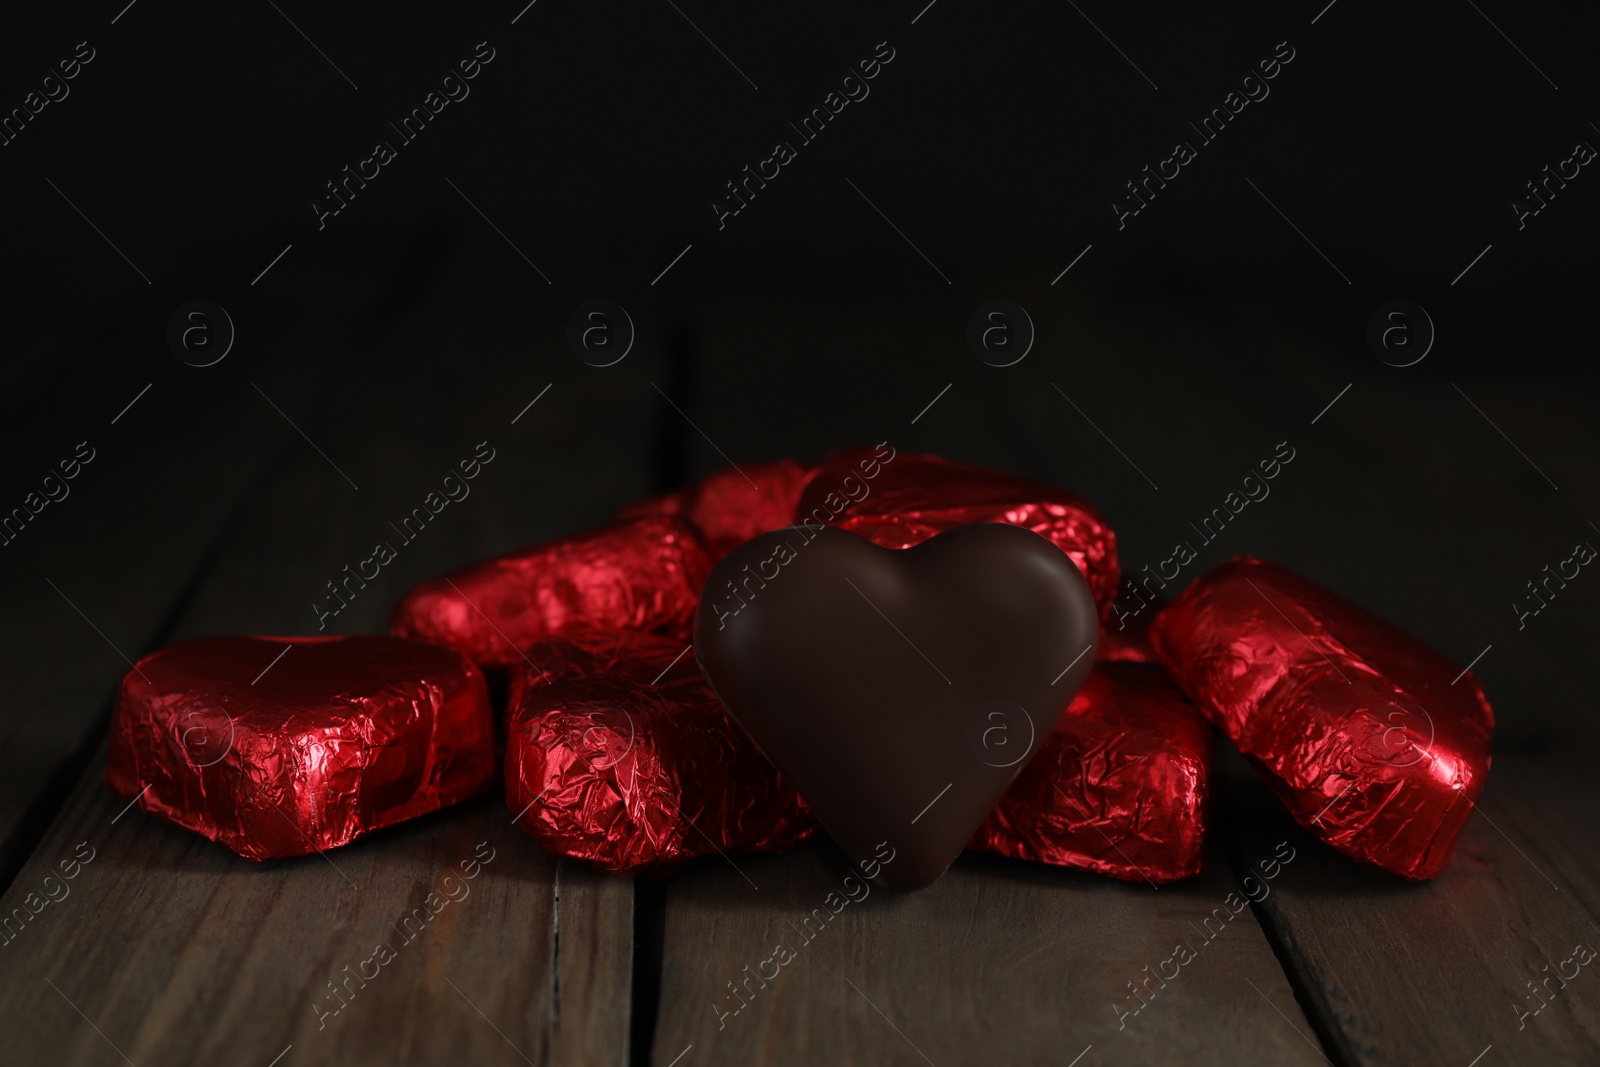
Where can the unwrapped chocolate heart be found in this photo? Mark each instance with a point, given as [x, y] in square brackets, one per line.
[900, 692]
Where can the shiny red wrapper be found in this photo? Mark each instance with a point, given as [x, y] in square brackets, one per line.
[282, 746]
[734, 504]
[620, 755]
[642, 574]
[1365, 733]
[1119, 787]
[900, 499]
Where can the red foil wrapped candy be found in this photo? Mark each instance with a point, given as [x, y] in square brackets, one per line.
[281, 746]
[643, 574]
[1374, 742]
[1119, 787]
[899, 499]
[734, 504]
[620, 755]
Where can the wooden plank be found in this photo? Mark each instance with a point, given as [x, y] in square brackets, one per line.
[166, 474]
[533, 965]
[1440, 972]
[998, 961]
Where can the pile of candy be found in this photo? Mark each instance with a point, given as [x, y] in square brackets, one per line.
[616, 751]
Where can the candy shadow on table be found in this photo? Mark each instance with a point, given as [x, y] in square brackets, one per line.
[1250, 821]
[827, 866]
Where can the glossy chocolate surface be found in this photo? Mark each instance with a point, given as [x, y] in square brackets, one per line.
[900, 691]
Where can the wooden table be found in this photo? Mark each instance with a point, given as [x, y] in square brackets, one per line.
[225, 497]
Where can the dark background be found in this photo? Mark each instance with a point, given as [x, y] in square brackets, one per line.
[1396, 138]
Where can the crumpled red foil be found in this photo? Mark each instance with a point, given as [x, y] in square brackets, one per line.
[734, 504]
[1373, 741]
[901, 499]
[642, 574]
[620, 755]
[282, 746]
[1119, 787]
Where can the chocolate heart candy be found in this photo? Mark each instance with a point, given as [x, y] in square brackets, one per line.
[900, 691]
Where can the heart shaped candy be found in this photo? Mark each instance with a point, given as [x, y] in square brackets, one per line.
[900, 692]
[281, 746]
